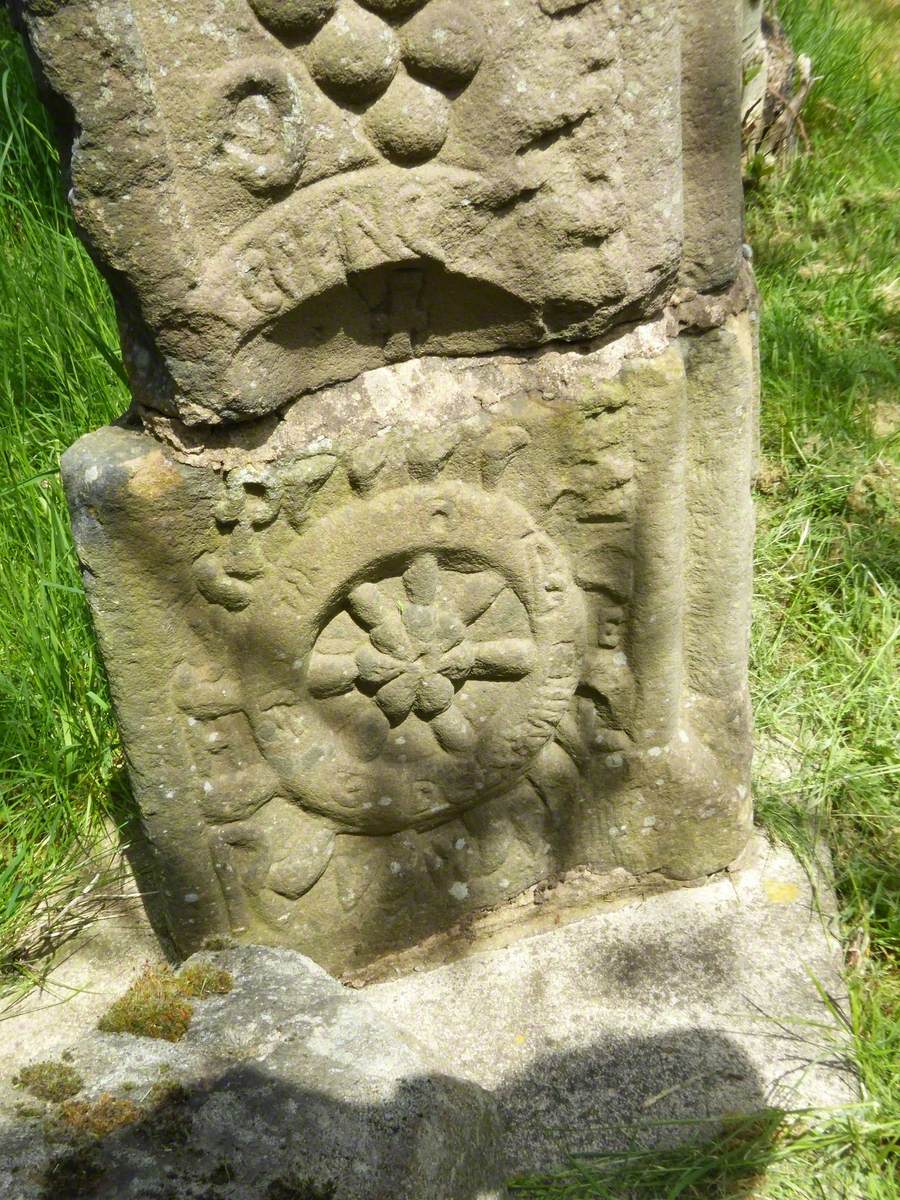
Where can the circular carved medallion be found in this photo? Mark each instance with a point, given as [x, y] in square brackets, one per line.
[436, 639]
[254, 123]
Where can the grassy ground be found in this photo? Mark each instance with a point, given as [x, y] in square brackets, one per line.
[58, 378]
[826, 627]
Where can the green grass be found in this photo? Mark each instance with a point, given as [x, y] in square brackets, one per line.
[59, 377]
[825, 635]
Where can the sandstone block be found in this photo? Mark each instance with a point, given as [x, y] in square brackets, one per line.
[459, 629]
[287, 194]
[420, 564]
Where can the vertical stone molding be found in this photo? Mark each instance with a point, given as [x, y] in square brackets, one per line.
[421, 564]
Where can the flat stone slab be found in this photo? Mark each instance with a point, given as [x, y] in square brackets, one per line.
[682, 1008]
[288, 1087]
[647, 1021]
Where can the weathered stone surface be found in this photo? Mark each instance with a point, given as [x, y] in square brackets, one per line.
[290, 1077]
[420, 565]
[461, 628]
[643, 1023]
[713, 199]
[650, 1023]
[286, 195]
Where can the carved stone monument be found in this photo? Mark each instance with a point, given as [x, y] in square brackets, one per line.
[421, 564]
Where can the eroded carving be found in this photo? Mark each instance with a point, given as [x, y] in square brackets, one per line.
[448, 656]
[255, 123]
[305, 190]
[403, 678]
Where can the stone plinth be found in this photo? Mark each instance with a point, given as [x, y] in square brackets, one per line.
[641, 1025]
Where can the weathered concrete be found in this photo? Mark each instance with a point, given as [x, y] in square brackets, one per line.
[289, 1077]
[683, 1008]
[646, 1021]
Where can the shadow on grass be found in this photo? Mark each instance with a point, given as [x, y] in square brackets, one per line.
[729, 1166]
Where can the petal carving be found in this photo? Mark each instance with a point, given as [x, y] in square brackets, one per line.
[508, 658]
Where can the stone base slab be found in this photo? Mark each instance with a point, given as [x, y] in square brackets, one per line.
[647, 1023]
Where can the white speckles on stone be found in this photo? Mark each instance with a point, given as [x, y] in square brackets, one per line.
[191, 898]
[654, 752]
[459, 890]
[460, 843]
[615, 760]
[207, 786]
[620, 659]
[385, 801]
[396, 868]
[91, 475]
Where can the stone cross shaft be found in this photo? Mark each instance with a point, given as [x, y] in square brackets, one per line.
[420, 564]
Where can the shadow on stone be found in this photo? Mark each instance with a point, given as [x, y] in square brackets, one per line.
[249, 1133]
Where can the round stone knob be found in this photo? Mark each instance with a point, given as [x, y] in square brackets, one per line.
[355, 56]
[443, 44]
[254, 123]
[409, 123]
[393, 8]
[293, 16]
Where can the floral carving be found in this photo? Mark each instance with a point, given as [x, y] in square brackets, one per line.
[417, 652]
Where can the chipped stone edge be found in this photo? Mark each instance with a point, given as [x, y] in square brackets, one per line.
[378, 402]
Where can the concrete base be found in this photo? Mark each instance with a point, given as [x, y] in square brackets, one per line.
[648, 1022]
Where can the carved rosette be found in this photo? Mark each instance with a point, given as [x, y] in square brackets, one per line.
[439, 628]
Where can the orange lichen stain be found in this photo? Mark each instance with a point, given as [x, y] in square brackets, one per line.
[778, 892]
[99, 1117]
[153, 476]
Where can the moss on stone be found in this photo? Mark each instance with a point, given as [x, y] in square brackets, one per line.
[154, 1006]
[73, 1173]
[170, 1119]
[157, 1003]
[205, 979]
[51, 1081]
[292, 1187]
[99, 1117]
